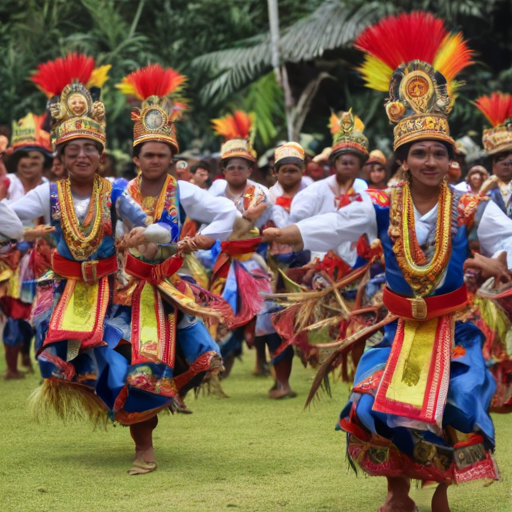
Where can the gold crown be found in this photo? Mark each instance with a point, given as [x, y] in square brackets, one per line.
[420, 77]
[348, 135]
[154, 121]
[289, 150]
[76, 115]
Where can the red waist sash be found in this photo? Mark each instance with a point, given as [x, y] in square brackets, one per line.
[153, 273]
[87, 271]
[425, 308]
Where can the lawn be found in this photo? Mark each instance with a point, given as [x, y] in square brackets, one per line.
[243, 453]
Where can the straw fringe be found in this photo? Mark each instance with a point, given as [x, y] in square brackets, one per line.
[66, 401]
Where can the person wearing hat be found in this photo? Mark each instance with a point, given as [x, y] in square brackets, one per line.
[30, 155]
[477, 175]
[377, 175]
[289, 168]
[76, 339]
[163, 364]
[497, 141]
[412, 413]
[348, 154]
[240, 271]
[238, 159]
[289, 165]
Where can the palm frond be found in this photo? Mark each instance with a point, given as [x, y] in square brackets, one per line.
[335, 24]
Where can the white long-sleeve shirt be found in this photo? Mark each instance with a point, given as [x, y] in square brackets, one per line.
[318, 199]
[11, 227]
[218, 212]
[324, 232]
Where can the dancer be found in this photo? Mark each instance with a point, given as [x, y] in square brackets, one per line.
[497, 141]
[348, 155]
[82, 361]
[240, 272]
[183, 351]
[412, 413]
[289, 165]
[31, 154]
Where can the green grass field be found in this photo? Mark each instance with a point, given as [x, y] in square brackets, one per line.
[244, 453]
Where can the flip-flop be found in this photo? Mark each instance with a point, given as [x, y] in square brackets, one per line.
[142, 468]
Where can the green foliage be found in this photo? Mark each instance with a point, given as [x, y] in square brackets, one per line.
[223, 48]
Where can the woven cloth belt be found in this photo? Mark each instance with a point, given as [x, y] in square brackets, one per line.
[153, 273]
[425, 308]
[87, 271]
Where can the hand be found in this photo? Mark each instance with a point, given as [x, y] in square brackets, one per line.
[490, 267]
[255, 212]
[30, 235]
[133, 239]
[489, 184]
[199, 242]
[271, 235]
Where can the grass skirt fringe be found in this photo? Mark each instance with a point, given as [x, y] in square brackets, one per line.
[68, 402]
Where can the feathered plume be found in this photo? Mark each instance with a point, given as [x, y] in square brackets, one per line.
[497, 107]
[98, 76]
[396, 40]
[153, 80]
[236, 126]
[53, 76]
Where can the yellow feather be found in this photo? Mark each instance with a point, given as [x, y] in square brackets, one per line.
[99, 76]
[358, 125]
[126, 87]
[376, 74]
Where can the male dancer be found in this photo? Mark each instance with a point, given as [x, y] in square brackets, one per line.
[497, 141]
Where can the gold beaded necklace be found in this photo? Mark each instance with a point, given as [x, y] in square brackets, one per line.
[84, 238]
[421, 275]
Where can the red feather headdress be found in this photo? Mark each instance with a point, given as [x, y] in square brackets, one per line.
[416, 58]
[237, 129]
[66, 82]
[497, 108]
[419, 35]
[159, 90]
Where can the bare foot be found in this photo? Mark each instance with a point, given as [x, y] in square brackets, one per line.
[144, 462]
[440, 499]
[398, 499]
[282, 393]
[10, 375]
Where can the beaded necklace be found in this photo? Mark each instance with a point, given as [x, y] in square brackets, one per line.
[83, 238]
[421, 275]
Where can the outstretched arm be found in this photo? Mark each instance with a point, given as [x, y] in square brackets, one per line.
[325, 232]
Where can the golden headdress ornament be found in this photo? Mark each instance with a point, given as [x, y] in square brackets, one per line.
[289, 153]
[497, 108]
[155, 119]
[237, 129]
[72, 85]
[417, 59]
[28, 134]
[347, 132]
